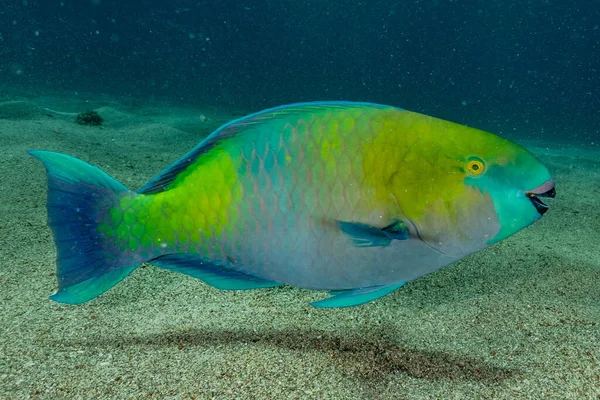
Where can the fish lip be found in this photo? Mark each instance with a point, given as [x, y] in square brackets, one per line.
[545, 190]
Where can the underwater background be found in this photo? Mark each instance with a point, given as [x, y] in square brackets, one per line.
[518, 320]
[494, 63]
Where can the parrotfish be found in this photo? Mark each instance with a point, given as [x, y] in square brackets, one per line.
[353, 198]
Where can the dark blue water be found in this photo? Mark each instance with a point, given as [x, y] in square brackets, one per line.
[503, 63]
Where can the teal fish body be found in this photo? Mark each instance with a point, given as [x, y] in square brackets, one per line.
[356, 198]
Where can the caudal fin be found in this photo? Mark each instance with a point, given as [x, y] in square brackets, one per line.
[79, 196]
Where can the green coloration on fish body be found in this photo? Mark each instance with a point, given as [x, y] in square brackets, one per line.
[355, 198]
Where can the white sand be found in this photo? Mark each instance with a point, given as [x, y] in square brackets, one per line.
[519, 320]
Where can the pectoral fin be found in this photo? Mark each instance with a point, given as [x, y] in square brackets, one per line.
[363, 235]
[355, 297]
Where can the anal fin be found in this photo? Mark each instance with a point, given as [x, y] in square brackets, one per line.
[355, 297]
[218, 276]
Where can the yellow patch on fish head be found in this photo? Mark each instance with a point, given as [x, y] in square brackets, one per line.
[448, 182]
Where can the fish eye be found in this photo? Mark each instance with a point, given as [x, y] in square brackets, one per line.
[475, 166]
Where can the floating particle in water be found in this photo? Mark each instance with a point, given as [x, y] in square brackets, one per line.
[16, 69]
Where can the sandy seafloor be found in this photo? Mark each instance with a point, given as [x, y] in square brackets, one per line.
[519, 320]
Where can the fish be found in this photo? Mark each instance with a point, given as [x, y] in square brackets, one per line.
[352, 198]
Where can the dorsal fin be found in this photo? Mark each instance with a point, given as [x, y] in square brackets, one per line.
[165, 178]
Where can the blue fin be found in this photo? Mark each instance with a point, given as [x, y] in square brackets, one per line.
[363, 235]
[243, 125]
[355, 297]
[78, 194]
[215, 275]
[397, 230]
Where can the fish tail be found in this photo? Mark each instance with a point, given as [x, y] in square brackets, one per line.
[79, 196]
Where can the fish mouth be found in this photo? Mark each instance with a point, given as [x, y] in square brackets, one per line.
[545, 190]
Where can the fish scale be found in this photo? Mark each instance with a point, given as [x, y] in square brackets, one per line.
[352, 197]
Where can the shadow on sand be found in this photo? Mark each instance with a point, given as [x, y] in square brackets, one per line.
[356, 355]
